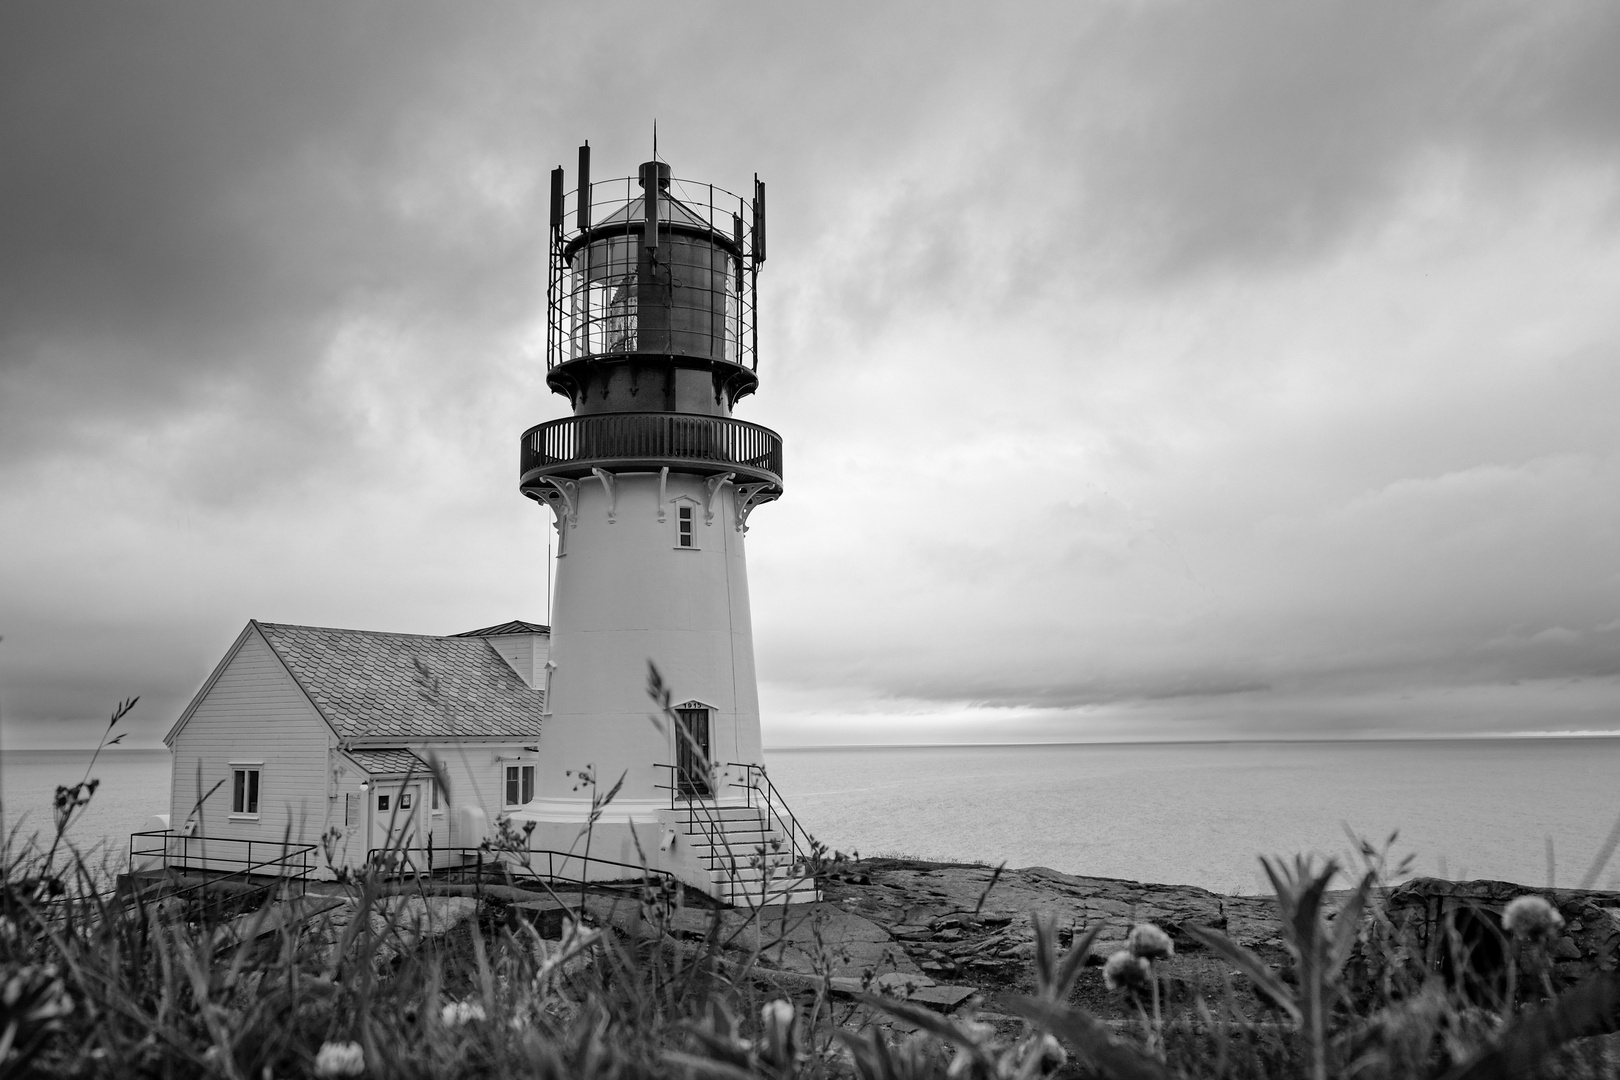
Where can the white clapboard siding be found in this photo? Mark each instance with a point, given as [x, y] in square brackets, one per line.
[253, 711]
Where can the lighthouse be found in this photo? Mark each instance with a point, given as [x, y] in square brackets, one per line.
[652, 336]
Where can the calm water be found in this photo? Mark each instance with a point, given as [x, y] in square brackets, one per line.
[134, 786]
[1200, 813]
[1188, 813]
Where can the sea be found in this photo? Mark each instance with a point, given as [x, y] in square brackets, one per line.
[1530, 810]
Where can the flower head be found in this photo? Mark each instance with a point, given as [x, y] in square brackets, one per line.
[777, 1017]
[457, 1013]
[1125, 971]
[340, 1059]
[1150, 943]
[1532, 918]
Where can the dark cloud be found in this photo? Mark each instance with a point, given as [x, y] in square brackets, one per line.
[1178, 360]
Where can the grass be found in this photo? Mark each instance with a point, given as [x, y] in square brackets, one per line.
[405, 979]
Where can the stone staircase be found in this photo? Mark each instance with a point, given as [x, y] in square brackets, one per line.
[731, 852]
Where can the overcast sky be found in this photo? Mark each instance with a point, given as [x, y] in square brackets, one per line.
[1159, 370]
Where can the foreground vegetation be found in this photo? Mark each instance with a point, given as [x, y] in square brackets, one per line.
[391, 978]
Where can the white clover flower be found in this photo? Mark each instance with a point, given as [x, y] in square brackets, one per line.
[1050, 1053]
[1150, 943]
[457, 1013]
[777, 1014]
[340, 1059]
[1532, 918]
[1125, 971]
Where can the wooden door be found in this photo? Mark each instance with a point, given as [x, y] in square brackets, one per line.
[692, 752]
[396, 815]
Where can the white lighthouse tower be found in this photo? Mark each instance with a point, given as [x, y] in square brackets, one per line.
[652, 338]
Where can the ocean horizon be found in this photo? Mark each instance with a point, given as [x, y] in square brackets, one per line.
[1195, 812]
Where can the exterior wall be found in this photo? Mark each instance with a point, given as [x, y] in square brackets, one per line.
[477, 777]
[253, 712]
[627, 593]
[525, 654]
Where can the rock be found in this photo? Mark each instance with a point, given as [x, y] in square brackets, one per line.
[948, 935]
[1565, 949]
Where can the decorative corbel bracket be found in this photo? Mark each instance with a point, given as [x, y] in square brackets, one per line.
[714, 483]
[611, 486]
[663, 490]
[562, 500]
[750, 496]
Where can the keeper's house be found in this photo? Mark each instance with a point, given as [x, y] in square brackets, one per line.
[320, 736]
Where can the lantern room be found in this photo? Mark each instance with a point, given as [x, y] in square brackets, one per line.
[651, 293]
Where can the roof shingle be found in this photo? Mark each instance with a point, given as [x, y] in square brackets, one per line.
[407, 686]
[388, 762]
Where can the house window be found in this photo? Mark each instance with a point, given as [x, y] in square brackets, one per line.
[245, 792]
[435, 789]
[382, 802]
[683, 517]
[405, 801]
[519, 784]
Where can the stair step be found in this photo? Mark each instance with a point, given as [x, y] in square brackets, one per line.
[718, 813]
[754, 899]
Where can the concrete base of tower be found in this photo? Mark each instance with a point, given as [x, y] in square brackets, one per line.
[730, 851]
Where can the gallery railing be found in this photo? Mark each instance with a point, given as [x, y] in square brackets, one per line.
[574, 445]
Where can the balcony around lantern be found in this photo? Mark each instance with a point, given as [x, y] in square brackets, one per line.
[619, 442]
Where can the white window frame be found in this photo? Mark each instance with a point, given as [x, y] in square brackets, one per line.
[247, 810]
[519, 773]
[686, 513]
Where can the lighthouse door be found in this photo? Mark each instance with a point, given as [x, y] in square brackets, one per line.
[692, 752]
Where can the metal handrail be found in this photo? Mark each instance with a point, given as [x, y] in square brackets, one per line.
[773, 799]
[572, 443]
[291, 871]
[474, 858]
[710, 825]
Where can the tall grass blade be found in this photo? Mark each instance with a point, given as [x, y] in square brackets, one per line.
[1258, 971]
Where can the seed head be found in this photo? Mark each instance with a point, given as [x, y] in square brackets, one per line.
[1150, 943]
[340, 1059]
[1532, 918]
[1125, 971]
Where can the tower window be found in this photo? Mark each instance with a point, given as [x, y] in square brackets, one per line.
[684, 519]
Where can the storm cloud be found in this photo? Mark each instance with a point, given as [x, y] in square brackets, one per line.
[1146, 369]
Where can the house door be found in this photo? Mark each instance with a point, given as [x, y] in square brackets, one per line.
[692, 752]
[396, 815]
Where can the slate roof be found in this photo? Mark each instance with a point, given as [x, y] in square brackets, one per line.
[516, 626]
[407, 686]
[387, 762]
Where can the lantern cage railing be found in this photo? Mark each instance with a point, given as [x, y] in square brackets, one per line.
[710, 246]
[574, 445]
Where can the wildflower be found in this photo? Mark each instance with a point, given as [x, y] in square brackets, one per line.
[777, 1014]
[457, 1013]
[1532, 918]
[1049, 1054]
[1150, 943]
[340, 1059]
[1125, 971]
[776, 1017]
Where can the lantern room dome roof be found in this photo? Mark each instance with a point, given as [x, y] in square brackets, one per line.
[670, 209]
